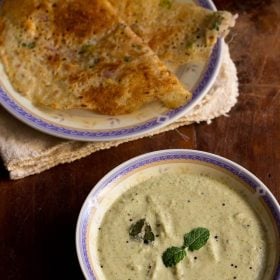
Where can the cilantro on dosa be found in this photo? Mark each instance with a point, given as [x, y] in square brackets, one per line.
[178, 32]
[202, 228]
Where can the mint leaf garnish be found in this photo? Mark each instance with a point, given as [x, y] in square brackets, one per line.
[193, 240]
[173, 255]
[196, 238]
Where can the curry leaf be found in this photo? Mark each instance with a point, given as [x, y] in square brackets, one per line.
[142, 231]
[149, 235]
[136, 228]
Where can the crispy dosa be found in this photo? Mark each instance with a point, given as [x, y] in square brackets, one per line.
[178, 32]
[68, 54]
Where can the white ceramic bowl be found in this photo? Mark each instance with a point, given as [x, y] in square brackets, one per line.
[138, 169]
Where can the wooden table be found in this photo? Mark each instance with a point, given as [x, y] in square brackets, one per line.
[38, 214]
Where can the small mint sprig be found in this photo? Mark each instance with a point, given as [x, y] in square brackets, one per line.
[194, 240]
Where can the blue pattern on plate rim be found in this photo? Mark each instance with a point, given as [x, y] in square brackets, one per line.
[114, 134]
[206, 4]
[167, 155]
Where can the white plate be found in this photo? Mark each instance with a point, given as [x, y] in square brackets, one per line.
[141, 168]
[88, 126]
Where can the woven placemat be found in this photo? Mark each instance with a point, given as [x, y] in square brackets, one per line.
[26, 151]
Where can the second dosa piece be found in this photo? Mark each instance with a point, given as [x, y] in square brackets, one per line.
[177, 32]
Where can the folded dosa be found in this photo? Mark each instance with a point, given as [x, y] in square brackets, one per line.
[177, 32]
[68, 54]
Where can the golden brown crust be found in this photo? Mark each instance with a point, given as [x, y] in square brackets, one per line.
[83, 18]
[20, 12]
[177, 32]
[78, 54]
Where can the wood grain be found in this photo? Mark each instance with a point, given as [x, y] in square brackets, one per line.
[38, 214]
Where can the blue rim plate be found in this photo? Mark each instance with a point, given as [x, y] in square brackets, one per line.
[113, 129]
[114, 183]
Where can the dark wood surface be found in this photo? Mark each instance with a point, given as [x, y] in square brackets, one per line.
[38, 214]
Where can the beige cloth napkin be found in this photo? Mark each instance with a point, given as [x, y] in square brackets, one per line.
[26, 151]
